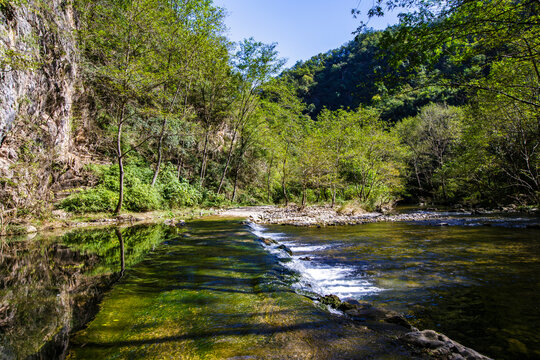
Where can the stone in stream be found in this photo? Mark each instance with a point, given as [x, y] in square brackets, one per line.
[401, 321]
[268, 241]
[439, 346]
[330, 300]
[286, 249]
[305, 258]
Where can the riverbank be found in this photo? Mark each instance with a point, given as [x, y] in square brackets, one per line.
[332, 216]
[60, 221]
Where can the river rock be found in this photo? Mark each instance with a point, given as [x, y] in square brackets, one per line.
[440, 346]
[367, 313]
[305, 258]
[286, 249]
[401, 321]
[268, 241]
[330, 300]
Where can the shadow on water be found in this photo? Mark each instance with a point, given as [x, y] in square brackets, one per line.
[51, 285]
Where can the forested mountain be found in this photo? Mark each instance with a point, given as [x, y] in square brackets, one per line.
[359, 74]
[145, 104]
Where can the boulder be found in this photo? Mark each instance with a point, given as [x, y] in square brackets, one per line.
[331, 300]
[440, 346]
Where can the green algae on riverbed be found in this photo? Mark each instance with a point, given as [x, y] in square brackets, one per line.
[49, 285]
[216, 294]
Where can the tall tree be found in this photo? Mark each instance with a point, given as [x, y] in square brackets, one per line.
[254, 64]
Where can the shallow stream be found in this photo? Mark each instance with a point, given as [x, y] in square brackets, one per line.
[473, 278]
[211, 290]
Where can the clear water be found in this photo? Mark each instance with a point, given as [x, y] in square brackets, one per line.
[215, 293]
[212, 291]
[477, 284]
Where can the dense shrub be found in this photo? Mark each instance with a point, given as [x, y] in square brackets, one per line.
[168, 193]
[210, 198]
[91, 200]
[142, 197]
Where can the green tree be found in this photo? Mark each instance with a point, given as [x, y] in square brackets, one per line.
[254, 63]
[117, 43]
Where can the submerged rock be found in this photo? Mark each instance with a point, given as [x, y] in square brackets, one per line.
[401, 321]
[440, 346]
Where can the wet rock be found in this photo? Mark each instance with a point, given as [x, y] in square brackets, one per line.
[367, 313]
[331, 300]
[440, 346]
[399, 320]
[268, 241]
[180, 223]
[305, 258]
[286, 249]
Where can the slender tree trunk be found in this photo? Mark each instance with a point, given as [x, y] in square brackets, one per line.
[120, 167]
[333, 195]
[205, 157]
[304, 196]
[268, 178]
[283, 187]
[235, 182]
[160, 151]
[229, 157]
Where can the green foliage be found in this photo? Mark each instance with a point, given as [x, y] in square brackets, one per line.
[212, 199]
[176, 193]
[169, 192]
[99, 199]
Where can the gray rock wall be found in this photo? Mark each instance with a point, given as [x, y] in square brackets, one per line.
[37, 96]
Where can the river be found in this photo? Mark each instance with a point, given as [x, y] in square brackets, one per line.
[212, 290]
[473, 278]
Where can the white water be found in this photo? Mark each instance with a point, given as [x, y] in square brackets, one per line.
[315, 275]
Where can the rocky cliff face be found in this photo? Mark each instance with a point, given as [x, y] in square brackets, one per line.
[39, 77]
[39, 83]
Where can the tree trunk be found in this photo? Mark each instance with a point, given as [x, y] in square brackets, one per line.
[235, 182]
[304, 196]
[229, 157]
[268, 179]
[283, 182]
[205, 156]
[121, 169]
[160, 150]
[333, 195]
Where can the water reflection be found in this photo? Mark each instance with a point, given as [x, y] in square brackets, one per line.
[52, 284]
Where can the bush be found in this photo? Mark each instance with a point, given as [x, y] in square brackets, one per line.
[142, 197]
[177, 194]
[210, 198]
[98, 199]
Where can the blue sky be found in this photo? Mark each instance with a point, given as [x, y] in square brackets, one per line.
[302, 28]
